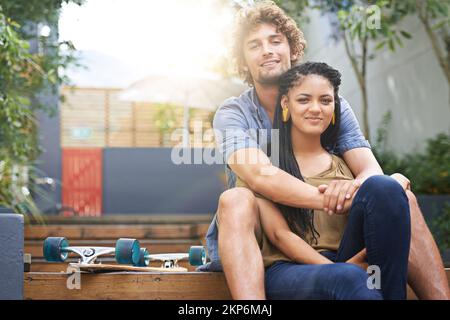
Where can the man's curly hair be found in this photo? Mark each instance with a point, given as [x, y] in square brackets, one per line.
[249, 18]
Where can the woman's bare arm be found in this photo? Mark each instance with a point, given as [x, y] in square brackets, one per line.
[280, 235]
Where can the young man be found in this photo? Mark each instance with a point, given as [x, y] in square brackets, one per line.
[268, 43]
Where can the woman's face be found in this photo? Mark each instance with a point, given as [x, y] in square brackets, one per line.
[310, 104]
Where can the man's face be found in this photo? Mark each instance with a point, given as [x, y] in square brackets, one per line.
[267, 54]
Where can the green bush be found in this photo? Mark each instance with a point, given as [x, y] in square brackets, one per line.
[429, 171]
[25, 77]
[441, 228]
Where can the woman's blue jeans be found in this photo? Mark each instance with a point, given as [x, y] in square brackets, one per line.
[379, 221]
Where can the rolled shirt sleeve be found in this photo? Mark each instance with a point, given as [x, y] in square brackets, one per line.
[350, 135]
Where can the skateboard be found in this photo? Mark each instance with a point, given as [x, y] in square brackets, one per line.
[128, 255]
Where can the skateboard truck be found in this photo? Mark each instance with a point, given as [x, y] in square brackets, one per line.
[127, 251]
[196, 257]
[89, 255]
[57, 249]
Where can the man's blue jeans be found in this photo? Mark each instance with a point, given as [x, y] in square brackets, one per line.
[379, 221]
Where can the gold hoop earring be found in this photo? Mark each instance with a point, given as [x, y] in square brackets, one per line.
[285, 114]
[333, 120]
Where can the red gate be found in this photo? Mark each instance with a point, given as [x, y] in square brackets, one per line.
[82, 180]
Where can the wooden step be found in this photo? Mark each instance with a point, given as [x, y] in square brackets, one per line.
[34, 247]
[107, 231]
[117, 219]
[128, 286]
[133, 285]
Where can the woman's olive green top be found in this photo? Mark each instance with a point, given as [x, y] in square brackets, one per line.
[330, 228]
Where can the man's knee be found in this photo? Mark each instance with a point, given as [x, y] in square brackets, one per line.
[412, 200]
[418, 223]
[237, 205]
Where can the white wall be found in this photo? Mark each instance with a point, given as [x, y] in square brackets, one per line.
[409, 82]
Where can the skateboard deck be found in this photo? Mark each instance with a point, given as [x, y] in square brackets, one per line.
[99, 268]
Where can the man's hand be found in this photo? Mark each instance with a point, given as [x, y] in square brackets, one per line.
[338, 195]
[360, 259]
[404, 181]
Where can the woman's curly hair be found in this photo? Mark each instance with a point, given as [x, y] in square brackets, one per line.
[249, 18]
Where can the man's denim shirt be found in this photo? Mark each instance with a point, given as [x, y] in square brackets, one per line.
[241, 122]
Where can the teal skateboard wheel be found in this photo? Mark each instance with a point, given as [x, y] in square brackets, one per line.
[197, 255]
[54, 249]
[143, 261]
[127, 251]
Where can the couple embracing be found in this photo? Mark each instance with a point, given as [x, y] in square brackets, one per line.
[310, 226]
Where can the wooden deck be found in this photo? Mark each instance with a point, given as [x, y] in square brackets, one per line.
[159, 234]
[133, 286]
[128, 286]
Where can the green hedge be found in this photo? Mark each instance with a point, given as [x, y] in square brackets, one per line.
[429, 171]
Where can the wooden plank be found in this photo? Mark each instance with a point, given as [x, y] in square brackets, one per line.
[89, 107]
[107, 106]
[128, 285]
[126, 219]
[34, 247]
[191, 285]
[40, 265]
[181, 231]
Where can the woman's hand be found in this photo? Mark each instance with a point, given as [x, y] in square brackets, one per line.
[404, 181]
[338, 195]
[360, 259]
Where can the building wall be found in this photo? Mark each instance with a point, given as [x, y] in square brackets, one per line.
[408, 82]
[145, 180]
[138, 175]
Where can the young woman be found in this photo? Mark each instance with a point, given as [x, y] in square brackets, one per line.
[311, 254]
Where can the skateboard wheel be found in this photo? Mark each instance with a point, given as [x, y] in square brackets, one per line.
[54, 249]
[197, 255]
[143, 261]
[127, 251]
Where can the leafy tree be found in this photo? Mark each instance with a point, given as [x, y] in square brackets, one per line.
[435, 18]
[358, 23]
[25, 75]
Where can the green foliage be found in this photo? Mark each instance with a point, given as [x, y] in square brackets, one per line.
[165, 117]
[25, 76]
[429, 171]
[25, 11]
[441, 228]
[377, 20]
[296, 9]
[165, 120]
[388, 159]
